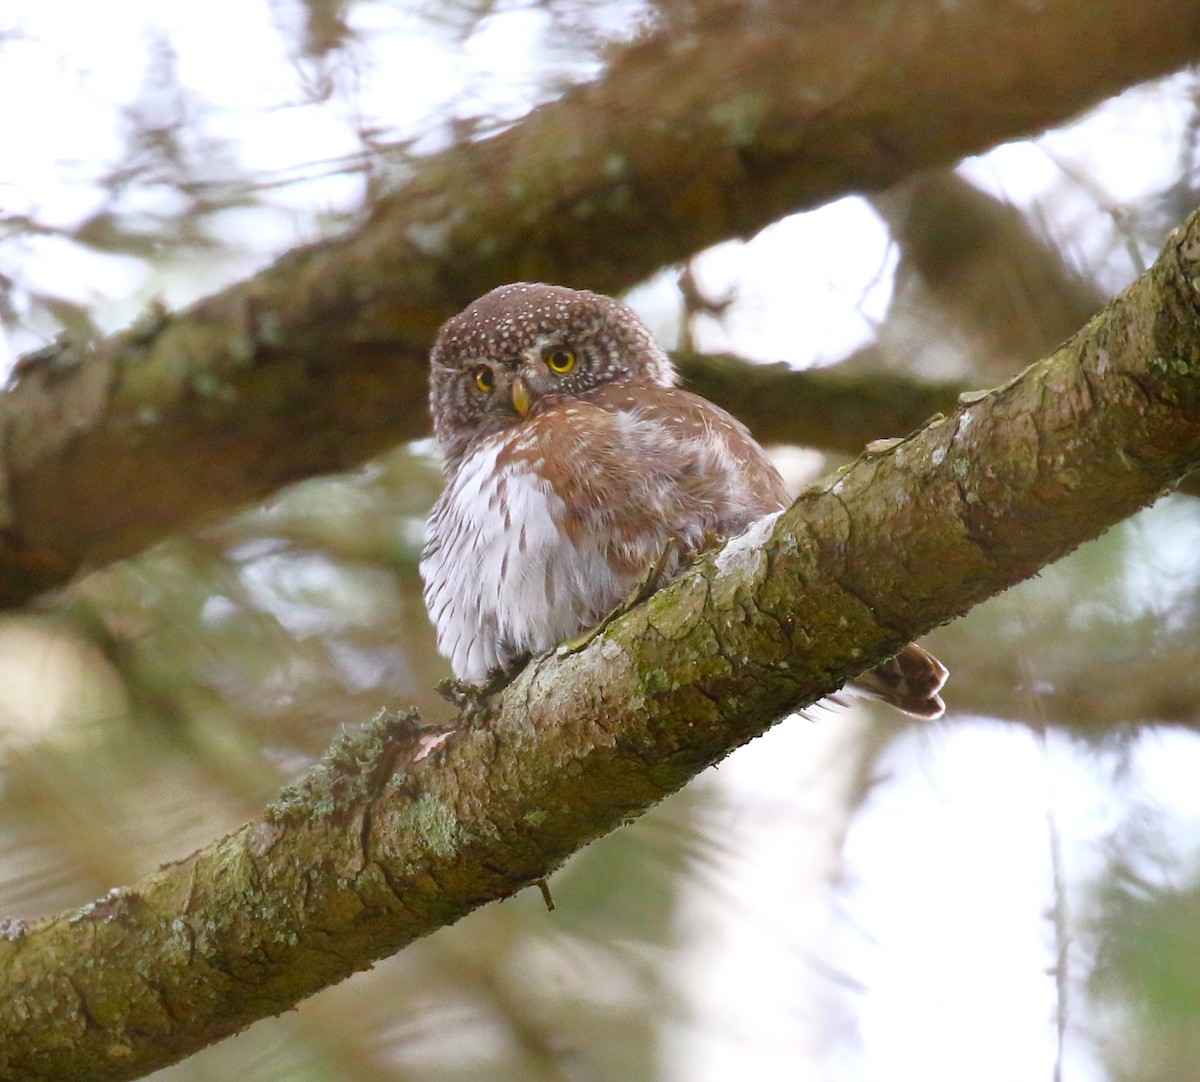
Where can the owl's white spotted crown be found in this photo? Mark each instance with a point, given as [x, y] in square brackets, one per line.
[502, 338]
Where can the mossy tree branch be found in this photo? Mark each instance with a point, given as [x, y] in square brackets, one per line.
[688, 139]
[826, 408]
[403, 830]
[984, 269]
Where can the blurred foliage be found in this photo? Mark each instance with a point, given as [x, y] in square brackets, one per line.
[1145, 935]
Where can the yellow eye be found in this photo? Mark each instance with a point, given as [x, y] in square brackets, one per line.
[559, 360]
[484, 379]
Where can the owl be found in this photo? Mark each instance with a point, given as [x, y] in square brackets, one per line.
[573, 463]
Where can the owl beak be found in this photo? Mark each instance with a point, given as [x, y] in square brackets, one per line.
[521, 398]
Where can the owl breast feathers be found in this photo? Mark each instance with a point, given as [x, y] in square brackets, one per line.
[571, 462]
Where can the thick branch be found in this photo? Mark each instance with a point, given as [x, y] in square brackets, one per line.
[689, 139]
[983, 267]
[817, 407]
[403, 831]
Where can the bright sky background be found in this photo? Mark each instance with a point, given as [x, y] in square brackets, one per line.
[945, 928]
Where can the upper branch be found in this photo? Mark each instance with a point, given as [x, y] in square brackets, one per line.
[687, 140]
[403, 830]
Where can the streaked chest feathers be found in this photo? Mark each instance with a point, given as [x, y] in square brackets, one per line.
[544, 529]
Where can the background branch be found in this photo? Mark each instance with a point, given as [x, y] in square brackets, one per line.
[975, 262]
[829, 408]
[318, 362]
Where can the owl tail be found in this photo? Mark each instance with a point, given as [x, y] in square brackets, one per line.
[910, 681]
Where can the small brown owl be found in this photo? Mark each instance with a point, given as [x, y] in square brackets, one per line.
[572, 463]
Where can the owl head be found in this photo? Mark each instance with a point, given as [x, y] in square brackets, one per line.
[526, 345]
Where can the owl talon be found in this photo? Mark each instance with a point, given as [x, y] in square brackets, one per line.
[645, 587]
[458, 693]
[475, 701]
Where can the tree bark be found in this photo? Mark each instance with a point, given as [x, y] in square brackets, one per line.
[826, 408]
[403, 830]
[984, 271]
[688, 139]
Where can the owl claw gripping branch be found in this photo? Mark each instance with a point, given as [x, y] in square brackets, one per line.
[573, 464]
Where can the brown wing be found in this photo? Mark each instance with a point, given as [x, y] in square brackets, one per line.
[726, 469]
[720, 470]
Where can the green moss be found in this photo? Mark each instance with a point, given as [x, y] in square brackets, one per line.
[615, 167]
[353, 771]
[655, 681]
[435, 825]
[740, 117]
[209, 385]
[270, 329]
[1169, 366]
